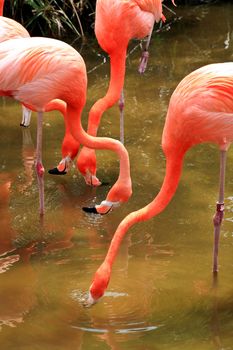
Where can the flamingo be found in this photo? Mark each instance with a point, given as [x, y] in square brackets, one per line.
[200, 110]
[10, 29]
[116, 23]
[36, 71]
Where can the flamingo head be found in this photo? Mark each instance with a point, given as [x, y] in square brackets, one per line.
[87, 166]
[119, 193]
[99, 284]
[91, 180]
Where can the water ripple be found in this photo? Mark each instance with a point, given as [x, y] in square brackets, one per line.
[118, 330]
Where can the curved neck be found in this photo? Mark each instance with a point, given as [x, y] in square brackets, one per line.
[105, 143]
[117, 76]
[1, 7]
[53, 105]
[56, 105]
[167, 191]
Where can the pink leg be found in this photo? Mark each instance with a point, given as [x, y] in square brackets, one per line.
[217, 219]
[121, 107]
[145, 55]
[39, 165]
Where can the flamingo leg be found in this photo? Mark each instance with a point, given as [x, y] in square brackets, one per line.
[145, 54]
[217, 219]
[26, 117]
[39, 165]
[121, 107]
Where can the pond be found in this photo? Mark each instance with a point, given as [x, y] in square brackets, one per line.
[162, 294]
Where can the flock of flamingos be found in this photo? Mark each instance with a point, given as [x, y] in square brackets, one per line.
[46, 74]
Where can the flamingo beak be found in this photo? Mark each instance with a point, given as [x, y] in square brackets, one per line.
[56, 171]
[90, 210]
[102, 210]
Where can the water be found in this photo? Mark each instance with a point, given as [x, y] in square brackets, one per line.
[162, 294]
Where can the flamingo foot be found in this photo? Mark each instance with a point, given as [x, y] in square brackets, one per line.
[62, 168]
[143, 62]
[91, 180]
[104, 208]
[40, 169]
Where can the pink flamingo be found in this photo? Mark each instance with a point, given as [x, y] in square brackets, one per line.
[116, 23]
[200, 110]
[36, 71]
[10, 29]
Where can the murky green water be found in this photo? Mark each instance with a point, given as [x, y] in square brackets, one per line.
[161, 295]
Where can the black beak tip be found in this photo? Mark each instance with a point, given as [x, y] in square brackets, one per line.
[89, 210]
[55, 171]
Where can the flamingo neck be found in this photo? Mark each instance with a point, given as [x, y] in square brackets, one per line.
[56, 105]
[1, 7]
[73, 117]
[53, 105]
[117, 76]
[167, 191]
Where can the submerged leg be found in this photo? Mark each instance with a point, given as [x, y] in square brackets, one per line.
[121, 107]
[217, 219]
[145, 55]
[39, 165]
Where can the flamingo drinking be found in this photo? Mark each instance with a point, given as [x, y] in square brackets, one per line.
[116, 23]
[200, 110]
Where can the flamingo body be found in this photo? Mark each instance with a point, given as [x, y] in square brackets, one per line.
[10, 29]
[37, 73]
[200, 110]
[117, 21]
[204, 102]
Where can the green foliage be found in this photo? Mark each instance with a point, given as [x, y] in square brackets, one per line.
[54, 18]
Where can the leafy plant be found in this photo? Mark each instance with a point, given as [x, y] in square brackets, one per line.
[54, 18]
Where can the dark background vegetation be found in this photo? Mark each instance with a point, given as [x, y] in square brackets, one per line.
[57, 18]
